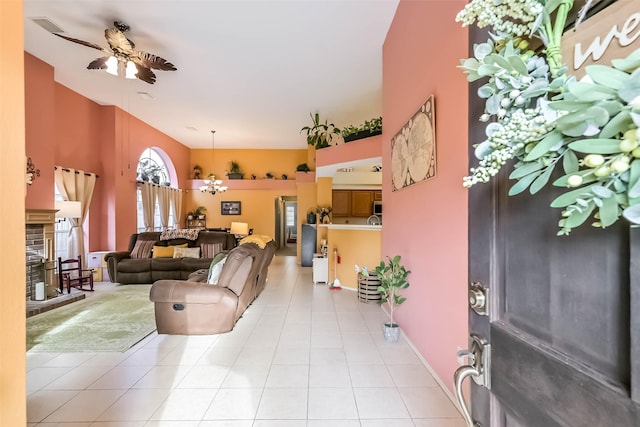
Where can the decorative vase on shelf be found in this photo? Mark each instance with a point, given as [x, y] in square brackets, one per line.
[325, 219]
[311, 218]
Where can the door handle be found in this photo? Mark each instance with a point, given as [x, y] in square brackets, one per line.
[458, 377]
[479, 354]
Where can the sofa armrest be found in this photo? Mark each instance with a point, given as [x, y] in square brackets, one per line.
[112, 259]
[189, 292]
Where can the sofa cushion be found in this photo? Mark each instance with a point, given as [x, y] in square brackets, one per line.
[186, 253]
[165, 251]
[209, 250]
[166, 264]
[142, 249]
[216, 268]
[236, 271]
[130, 265]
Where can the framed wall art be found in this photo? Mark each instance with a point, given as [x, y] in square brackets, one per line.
[230, 208]
[413, 149]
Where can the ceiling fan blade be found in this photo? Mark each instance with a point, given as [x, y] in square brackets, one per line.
[82, 42]
[145, 74]
[117, 40]
[151, 61]
[98, 63]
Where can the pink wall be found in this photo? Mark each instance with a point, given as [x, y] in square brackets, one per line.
[427, 223]
[65, 128]
[355, 150]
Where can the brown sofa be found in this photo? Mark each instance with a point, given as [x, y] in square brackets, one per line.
[194, 307]
[126, 270]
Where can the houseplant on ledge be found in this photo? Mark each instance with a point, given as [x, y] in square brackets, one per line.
[320, 135]
[368, 128]
[393, 277]
[234, 172]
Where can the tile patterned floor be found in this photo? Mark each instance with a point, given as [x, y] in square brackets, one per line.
[301, 356]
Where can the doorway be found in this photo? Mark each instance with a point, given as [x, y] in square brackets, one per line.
[286, 226]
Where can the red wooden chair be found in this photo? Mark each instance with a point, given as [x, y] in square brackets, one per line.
[72, 274]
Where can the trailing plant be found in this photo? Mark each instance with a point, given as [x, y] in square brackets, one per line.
[373, 126]
[542, 117]
[393, 277]
[320, 135]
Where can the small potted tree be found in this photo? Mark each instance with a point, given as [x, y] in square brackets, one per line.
[393, 277]
[198, 212]
[235, 172]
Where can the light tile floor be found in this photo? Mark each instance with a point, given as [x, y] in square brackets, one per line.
[301, 355]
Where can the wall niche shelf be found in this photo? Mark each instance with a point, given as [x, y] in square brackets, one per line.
[249, 184]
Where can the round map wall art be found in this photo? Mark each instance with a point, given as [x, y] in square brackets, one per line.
[413, 149]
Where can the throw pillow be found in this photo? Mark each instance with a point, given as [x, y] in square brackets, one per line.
[210, 250]
[186, 253]
[142, 249]
[165, 251]
[216, 268]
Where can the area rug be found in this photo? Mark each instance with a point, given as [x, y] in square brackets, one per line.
[112, 320]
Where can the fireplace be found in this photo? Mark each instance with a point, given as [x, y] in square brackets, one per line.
[40, 255]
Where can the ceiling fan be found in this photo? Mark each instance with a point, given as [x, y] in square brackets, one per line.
[137, 64]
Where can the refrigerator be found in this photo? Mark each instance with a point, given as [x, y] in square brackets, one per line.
[308, 244]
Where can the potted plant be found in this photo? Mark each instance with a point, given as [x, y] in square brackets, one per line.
[302, 167]
[268, 175]
[368, 128]
[197, 171]
[190, 215]
[393, 277]
[320, 135]
[234, 172]
[199, 212]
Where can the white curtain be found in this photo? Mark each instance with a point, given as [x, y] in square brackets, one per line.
[176, 205]
[148, 204]
[164, 204]
[76, 186]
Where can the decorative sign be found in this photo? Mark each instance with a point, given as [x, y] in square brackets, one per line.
[413, 149]
[612, 33]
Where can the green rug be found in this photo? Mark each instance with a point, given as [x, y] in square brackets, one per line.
[112, 320]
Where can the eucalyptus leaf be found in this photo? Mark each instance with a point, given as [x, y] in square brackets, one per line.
[570, 197]
[632, 214]
[498, 60]
[634, 180]
[525, 170]
[482, 150]
[493, 104]
[587, 178]
[570, 162]
[591, 92]
[607, 76]
[612, 107]
[481, 50]
[518, 64]
[523, 183]
[596, 145]
[487, 70]
[573, 129]
[601, 191]
[578, 218]
[630, 89]
[543, 146]
[542, 180]
[618, 124]
[599, 115]
[609, 211]
[485, 91]
[597, 201]
[629, 63]
[569, 105]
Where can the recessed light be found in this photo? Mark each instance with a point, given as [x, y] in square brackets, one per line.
[145, 95]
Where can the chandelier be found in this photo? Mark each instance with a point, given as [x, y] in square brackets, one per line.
[213, 185]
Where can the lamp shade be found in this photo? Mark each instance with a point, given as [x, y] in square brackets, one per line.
[68, 209]
[240, 228]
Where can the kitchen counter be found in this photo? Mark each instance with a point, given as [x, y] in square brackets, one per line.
[351, 227]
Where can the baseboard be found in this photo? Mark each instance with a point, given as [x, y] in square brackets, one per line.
[426, 364]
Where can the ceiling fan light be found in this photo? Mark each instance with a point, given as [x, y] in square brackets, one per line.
[112, 66]
[131, 70]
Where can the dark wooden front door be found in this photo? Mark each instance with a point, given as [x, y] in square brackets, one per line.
[564, 314]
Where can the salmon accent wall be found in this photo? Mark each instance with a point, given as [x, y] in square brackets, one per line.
[13, 408]
[355, 150]
[67, 129]
[426, 223]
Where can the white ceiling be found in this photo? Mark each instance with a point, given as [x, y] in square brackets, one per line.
[251, 70]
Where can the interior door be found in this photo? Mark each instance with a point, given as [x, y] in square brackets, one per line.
[562, 318]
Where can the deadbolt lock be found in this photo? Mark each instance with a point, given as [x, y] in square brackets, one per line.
[479, 298]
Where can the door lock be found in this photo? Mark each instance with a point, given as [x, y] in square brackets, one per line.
[479, 298]
[478, 368]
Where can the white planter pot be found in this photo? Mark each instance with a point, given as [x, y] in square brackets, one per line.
[391, 332]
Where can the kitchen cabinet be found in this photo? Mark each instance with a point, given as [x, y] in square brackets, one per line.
[341, 203]
[354, 203]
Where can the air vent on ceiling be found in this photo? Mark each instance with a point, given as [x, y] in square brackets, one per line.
[48, 25]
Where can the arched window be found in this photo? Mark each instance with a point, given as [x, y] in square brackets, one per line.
[154, 166]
